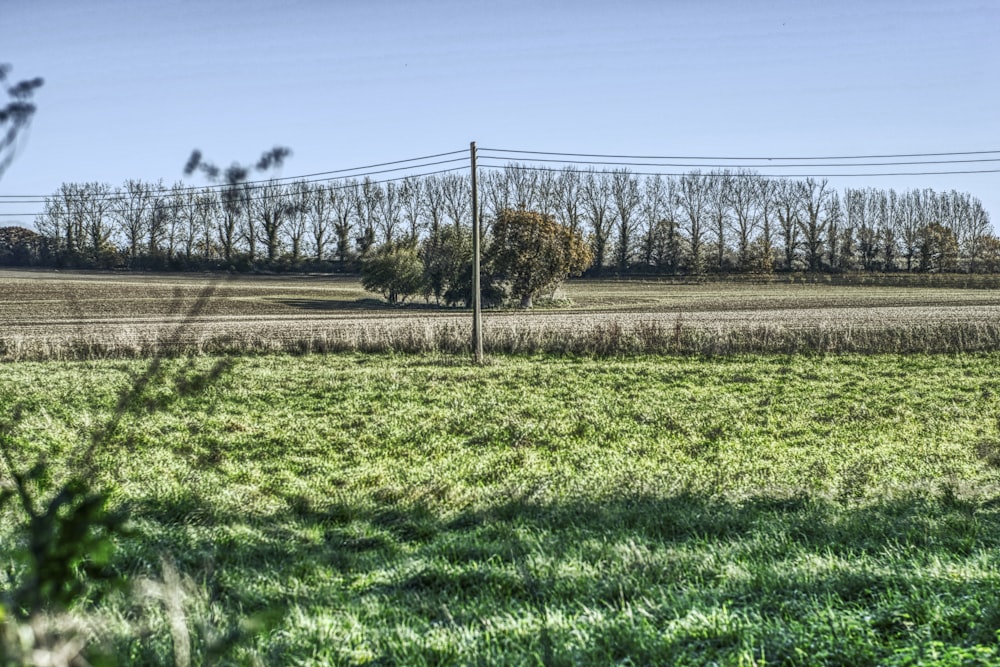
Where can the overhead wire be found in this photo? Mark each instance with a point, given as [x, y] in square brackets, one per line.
[696, 165]
[346, 173]
[118, 195]
[772, 157]
[772, 163]
[344, 186]
[485, 160]
[718, 174]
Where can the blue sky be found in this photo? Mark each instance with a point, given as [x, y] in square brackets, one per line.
[133, 86]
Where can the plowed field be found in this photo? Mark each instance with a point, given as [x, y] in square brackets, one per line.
[69, 315]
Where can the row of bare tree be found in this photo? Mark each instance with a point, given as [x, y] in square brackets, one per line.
[728, 221]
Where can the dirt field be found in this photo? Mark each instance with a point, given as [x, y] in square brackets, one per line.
[73, 315]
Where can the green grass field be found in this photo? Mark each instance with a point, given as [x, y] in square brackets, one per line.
[413, 509]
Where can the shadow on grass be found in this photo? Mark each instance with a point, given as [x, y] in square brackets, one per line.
[779, 573]
[356, 540]
[135, 397]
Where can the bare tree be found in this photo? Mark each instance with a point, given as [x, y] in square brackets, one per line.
[299, 195]
[888, 228]
[979, 233]
[457, 191]
[132, 210]
[910, 222]
[412, 200]
[366, 206]
[522, 183]
[848, 245]
[814, 199]
[944, 213]
[319, 210]
[654, 205]
[568, 198]
[231, 203]
[834, 214]
[343, 198]
[743, 199]
[597, 204]
[161, 213]
[273, 207]
[547, 193]
[693, 198]
[666, 240]
[89, 206]
[970, 224]
[434, 202]
[626, 197]
[766, 196]
[236, 194]
[719, 213]
[186, 214]
[177, 220]
[389, 212]
[788, 212]
[860, 217]
[52, 223]
[249, 223]
[869, 232]
[208, 213]
[495, 191]
[69, 198]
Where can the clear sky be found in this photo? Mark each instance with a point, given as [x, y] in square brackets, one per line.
[132, 86]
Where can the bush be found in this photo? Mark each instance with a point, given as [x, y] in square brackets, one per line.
[394, 271]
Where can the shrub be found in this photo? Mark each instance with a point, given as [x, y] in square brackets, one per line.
[394, 271]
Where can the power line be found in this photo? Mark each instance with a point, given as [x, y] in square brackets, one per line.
[716, 174]
[403, 178]
[311, 177]
[247, 185]
[703, 157]
[223, 186]
[380, 164]
[375, 169]
[696, 165]
[266, 197]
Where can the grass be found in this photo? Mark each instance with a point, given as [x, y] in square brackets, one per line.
[781, 509]
[91, 316]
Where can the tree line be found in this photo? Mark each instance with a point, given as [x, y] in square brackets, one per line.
[697, 223]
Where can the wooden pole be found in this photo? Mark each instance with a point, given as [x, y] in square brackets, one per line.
[477, 311]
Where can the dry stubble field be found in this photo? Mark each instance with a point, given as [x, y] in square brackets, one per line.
[62, 315]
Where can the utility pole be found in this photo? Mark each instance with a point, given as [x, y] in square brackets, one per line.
[477, 311]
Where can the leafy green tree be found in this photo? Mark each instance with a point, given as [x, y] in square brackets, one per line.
[21, 247]
[447, 258]
[533, 253]
[758, 258]
[938, 249]
[989, 259]
[393, 270]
